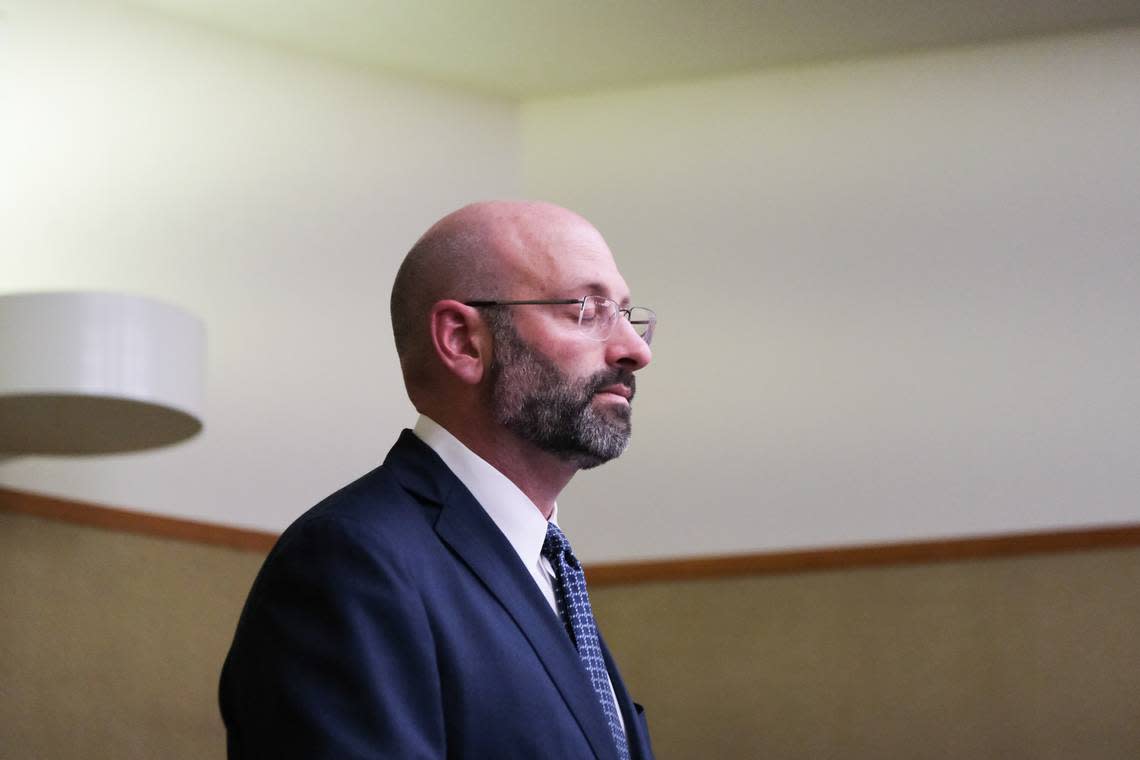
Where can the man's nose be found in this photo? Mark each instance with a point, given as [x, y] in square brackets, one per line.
[626, 348]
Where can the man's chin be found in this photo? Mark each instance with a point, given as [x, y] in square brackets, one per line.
[602, 438]
[588, 459]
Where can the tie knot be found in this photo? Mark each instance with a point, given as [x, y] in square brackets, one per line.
[555, 546]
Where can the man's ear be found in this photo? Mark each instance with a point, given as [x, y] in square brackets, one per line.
[460, 339]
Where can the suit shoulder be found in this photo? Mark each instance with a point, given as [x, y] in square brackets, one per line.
[375, 507]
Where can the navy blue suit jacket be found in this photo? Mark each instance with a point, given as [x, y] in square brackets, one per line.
[394, 620]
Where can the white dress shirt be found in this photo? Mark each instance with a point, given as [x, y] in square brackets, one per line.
[508, 507]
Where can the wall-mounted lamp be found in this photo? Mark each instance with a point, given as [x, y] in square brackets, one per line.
[97, 373]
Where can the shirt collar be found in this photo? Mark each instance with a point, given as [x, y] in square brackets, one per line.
[513, 513]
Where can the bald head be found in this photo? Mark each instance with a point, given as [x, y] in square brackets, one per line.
[482, 251]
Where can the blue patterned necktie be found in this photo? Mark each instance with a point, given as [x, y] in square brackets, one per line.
[574, 604]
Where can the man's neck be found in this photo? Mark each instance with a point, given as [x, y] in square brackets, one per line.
[537, 473]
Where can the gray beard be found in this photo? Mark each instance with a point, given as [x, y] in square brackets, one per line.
[533, 399]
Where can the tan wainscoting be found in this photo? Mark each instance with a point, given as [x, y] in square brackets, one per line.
[112, 635]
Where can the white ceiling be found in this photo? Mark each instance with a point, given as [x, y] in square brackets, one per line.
[534, 48]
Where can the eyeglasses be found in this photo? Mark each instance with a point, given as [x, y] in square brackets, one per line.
[597, 315]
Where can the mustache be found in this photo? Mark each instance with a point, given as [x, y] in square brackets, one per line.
[606, 378]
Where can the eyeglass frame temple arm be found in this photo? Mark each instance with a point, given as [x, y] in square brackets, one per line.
[559, 302]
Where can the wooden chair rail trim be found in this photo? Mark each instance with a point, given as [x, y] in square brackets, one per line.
[616, 573]
[129, 521]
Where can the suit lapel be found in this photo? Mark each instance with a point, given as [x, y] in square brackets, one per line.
[471, 534]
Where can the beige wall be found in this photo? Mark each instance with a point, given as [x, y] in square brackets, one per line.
[271, 194]
[897, 295]
[110, 646]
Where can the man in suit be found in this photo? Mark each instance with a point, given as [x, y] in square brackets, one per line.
[432, 608]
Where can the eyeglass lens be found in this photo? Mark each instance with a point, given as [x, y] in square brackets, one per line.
[599, 314]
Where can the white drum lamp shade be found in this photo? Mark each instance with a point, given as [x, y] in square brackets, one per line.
[97, 373]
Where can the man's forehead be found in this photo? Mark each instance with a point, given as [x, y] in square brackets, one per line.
[571, 267]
